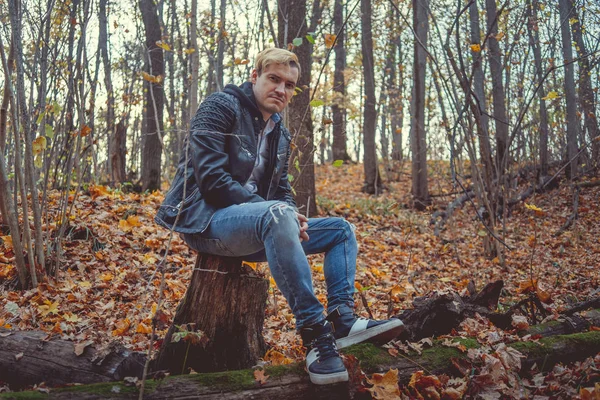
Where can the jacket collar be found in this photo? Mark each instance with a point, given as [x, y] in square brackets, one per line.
[246, 96]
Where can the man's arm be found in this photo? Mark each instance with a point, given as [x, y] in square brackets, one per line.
[210, 127]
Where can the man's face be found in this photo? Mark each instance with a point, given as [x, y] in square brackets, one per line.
[274, 88]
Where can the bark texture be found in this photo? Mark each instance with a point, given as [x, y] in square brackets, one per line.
[226, 304]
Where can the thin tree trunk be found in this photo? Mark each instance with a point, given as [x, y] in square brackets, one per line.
[396, 98]
[110, 97]
[496, 68]
[534, 40]
[570, 95]
[154, 101]
[372, 184]
[418, 138]
[338, 109]
[195, 61]
[26, 135]
[586, 91]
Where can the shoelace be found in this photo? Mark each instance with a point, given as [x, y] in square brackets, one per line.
[325, 345]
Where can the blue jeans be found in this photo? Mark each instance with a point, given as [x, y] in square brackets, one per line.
[269, 231]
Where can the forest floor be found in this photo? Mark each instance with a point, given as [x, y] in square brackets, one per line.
[106, 286]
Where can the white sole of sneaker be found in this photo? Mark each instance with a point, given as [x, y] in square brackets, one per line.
[381, 333]
[319, 379]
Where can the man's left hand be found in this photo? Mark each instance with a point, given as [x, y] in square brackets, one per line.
[303, 227]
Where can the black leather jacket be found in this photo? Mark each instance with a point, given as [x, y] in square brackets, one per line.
[220, 158]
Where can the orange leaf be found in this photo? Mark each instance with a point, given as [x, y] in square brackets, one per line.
[143, 328]
[85, 130]
[122, 327]
[276, 358]
[329, 40]
[385, 386]
[260, 377]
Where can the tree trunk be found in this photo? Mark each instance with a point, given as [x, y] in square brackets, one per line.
[372, 184]
[570, 95]
[226, 307]
[534, 40]
[586, 91]
[119, 150]
[110, 96]
[338, 109]
[418, 135]
[496, 68]
[292, 20]
[55, 362]
[195, 62]
[152, 142]
[396, 98]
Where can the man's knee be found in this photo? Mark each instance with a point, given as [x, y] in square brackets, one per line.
[283, 218]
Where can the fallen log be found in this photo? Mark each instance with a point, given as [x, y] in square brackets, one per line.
[29, 357]
[291, 382]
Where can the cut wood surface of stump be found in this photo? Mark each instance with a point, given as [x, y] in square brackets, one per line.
[225, 301]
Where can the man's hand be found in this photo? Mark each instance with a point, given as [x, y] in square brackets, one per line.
[303, 227]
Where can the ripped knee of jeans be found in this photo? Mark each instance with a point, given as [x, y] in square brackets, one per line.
[351, 225]
[278, 209]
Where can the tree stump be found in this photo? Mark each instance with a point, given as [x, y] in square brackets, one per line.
[226, 302]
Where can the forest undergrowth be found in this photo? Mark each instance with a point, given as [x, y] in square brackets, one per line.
[106, 288]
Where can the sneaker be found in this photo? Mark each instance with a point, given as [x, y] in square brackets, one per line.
[349, 330]
[323, 361]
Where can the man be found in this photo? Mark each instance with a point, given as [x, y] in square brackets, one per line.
[231, 197]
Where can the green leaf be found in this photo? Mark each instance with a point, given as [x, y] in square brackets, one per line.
[38, 161]
[49, 131]
[338, 163]
[482, 233]
[290, 178]
[40, 118]
[55, 108]
[316, 103]
[297, 42]
[297, 164]
[310, 39]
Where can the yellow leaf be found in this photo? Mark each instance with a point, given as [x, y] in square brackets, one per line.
[189, 51]
[329, 40]
[532, 207]
[163, 45]
[143, 328]
[48, 308]
[69, 317]
[8, 243]
[500, 36]
[39, 145]
[152, 78]
[276, 358]
[551, 95]
[252, 265]
[237, 61]
[476, 47]
[107, 277]
[385, 386]
[122, 327]
[85, 284]
[134, 220]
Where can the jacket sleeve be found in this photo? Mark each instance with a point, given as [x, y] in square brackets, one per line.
[208, 138]
[284, 189]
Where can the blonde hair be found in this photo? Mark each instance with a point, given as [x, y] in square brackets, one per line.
[275, 56]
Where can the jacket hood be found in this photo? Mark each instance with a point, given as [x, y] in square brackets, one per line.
[246, 96]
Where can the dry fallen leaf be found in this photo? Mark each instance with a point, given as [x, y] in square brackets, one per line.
[260, 377]
[385, 386]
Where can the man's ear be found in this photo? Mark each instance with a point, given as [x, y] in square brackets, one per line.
[253, 76]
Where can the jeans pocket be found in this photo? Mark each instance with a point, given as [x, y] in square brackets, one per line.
[207, 245]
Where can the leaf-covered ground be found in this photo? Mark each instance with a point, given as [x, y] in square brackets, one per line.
[106, 284]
